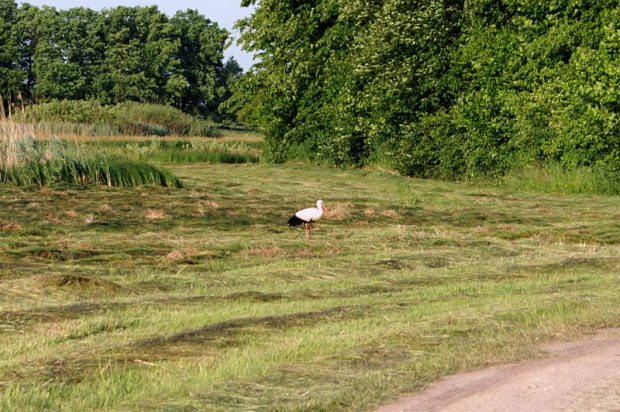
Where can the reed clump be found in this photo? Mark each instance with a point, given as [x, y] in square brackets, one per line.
[26, 160]
[555, 178]
[183, 151]
[194, 151]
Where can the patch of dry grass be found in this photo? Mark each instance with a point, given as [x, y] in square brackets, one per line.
[154, 214]
[340, 211]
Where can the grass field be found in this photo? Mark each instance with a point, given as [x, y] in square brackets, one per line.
[201, 298]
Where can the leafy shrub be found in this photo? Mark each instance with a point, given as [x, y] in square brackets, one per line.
[430, 148]
[132, 113]
[200, 128]
[69, 111]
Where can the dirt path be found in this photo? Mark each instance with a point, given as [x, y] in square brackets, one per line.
[577, 376]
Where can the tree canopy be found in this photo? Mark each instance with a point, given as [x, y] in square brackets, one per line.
[115, 55]
[443, 88]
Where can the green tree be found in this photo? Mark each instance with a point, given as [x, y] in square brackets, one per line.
[120, 54]
[227, 81]
[342, 77]
[199, 55]
[25, 32]
[581, 102]
[83, 32]
[56, 78]
[10, 75]
[286, 91]
[516, 61]
[139, 56]
[402, 68]
[60, 51]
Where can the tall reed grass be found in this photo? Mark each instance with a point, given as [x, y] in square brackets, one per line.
[26, 160]
[553, 178]
[196, 129]
[185, 151]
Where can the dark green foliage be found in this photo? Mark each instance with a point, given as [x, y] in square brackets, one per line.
[117, 55]
[67, 53]
[138, 56]
[436, 88]
[67, 111]
[196, 85]
[10, 76]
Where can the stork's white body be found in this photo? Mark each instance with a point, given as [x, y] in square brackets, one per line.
[311, 214]
[308, 216]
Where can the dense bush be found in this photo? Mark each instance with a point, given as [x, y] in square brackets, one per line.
[69, 111]
[443, 88]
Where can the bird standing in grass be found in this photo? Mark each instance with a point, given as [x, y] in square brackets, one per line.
[308, 216]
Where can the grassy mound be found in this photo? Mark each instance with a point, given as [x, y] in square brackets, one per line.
[129, 118]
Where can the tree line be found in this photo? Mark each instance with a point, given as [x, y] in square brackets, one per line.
[113, 56]
[438, 88]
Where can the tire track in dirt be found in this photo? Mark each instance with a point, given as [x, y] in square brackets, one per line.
[557, 383]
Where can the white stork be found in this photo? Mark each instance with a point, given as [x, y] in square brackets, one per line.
[308, 216]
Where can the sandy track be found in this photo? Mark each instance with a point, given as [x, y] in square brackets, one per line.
[577, 376]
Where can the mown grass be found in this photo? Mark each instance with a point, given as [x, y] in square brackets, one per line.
[201, 298]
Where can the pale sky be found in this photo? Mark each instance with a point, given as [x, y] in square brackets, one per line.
[223, 12]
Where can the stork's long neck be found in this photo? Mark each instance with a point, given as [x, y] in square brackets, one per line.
[321, 207]
[320, 215]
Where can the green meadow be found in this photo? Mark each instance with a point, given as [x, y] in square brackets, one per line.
[198, 296]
